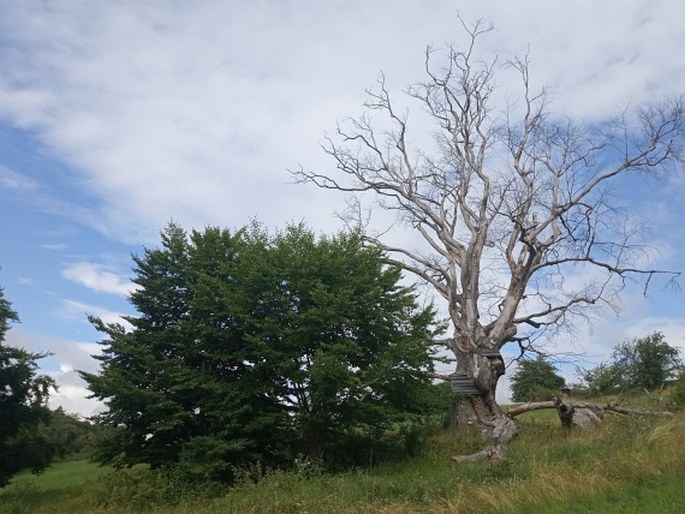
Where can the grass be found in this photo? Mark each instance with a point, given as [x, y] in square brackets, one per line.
[61, 486]
[625, 465]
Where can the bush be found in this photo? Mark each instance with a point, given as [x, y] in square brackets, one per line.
[603, 379]
[540, 393]
[678, 396]
[18, 499]
[139, 488]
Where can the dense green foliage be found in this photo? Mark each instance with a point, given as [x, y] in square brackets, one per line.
[68, 436]
[23, 397]
[252, 349]
[535, 380]
[643, 363]
[647, 362]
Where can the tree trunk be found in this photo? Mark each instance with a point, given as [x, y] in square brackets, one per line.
[481, 411]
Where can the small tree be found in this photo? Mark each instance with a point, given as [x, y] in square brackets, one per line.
[678, 397]
[535, 380]
[647, 362]
[603, 379]
[23, 398]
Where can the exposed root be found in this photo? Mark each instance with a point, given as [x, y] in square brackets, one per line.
[501, 430]
[494, 452]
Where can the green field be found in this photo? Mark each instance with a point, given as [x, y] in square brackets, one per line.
[625, 466]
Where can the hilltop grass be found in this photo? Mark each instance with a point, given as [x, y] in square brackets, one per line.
[62, 486]
[625, 465]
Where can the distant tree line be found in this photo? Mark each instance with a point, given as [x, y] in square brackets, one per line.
[645, 363]
[642, 363]
[251, 348]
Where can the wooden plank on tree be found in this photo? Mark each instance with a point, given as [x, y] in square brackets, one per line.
[463, 384]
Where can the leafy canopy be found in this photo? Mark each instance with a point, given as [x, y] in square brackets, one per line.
[254, 348]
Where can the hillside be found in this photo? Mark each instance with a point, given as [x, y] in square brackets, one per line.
[626, 465]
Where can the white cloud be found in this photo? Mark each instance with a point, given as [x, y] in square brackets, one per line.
[195, 112]
[72, 395]
[58, 247]
[79, 311]
[70, 357]
[94, 277]
[72, 391]
[15, 181]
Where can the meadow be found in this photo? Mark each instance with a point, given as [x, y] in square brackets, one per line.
[627, 465]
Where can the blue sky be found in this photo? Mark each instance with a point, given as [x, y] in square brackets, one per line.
[116, 117]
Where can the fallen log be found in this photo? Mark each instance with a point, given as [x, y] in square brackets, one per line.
[637, 412]
[494, 452]
[584, 415]
[581, 414]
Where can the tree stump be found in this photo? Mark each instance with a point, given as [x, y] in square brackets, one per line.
[586, 416]
[566, 412]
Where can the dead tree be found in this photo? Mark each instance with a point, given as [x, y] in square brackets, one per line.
[509, 202]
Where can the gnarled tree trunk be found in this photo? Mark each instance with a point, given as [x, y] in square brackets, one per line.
[478, 410]
[481, 410]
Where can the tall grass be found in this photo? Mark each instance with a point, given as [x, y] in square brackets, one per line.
[619, 466]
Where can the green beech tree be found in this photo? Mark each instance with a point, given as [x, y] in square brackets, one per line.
[251, 347]
[535, 380]
[23, 397]
[348, 344]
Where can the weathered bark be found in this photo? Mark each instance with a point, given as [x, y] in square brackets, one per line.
[566, 413]
[635, 412]
[497, 431]
[529, 407]
[481, 410]
[583, 416]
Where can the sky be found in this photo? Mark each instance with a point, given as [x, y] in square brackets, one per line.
[119, 116]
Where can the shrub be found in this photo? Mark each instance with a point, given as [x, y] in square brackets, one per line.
[678, 395]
